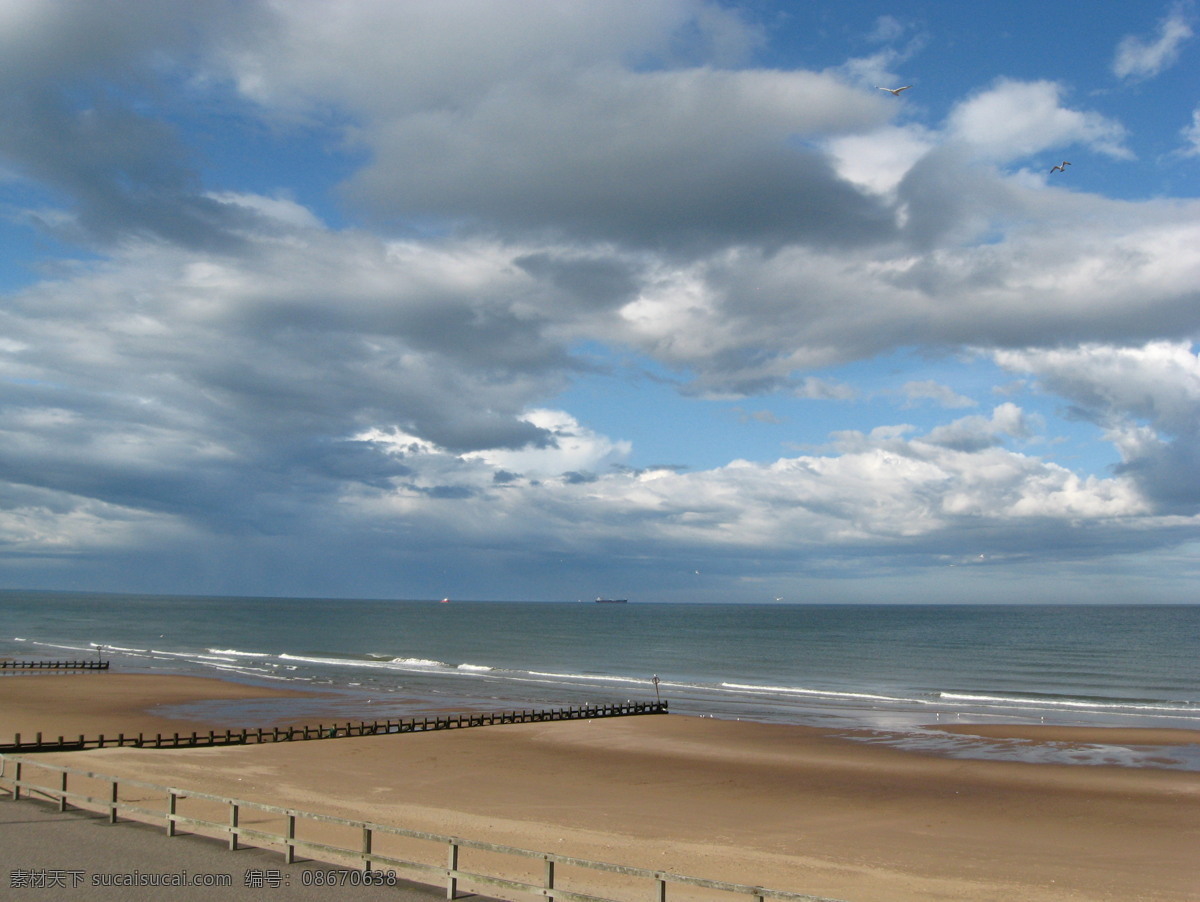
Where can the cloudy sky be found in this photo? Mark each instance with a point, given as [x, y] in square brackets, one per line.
[660, 299]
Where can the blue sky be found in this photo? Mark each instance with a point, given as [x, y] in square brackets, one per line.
[665, 300]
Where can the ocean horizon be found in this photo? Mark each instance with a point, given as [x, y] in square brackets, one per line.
[887, 672]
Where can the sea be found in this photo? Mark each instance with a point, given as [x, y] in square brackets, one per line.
[889, 674]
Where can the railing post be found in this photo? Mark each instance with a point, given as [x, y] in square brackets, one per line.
[662, 889]
[366, 848]
[451, 871]
[62, 799]
[289, 855]
[548, 882]
[233, 826]
[171, 805]
[112, 804]
[17, 783]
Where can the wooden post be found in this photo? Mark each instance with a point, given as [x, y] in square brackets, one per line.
[549, 881]
[112, 805]
[662, 890]
[233, 824]
[171, 806]
[17, 783]
[452, 869]
[289, 855]
[366, 848]
[62, 799]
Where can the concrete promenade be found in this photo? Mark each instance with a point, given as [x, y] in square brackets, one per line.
[50, 854]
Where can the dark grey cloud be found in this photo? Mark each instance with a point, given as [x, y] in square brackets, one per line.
[589, 280]
[85, 98]
[619, 170]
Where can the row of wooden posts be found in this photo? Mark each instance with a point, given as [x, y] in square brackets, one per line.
[330, 731]
[461, 868]
[54, 665]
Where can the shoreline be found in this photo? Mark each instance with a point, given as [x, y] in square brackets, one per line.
[109, 703]
[1077, 735]
[93, 703]
[789, 807]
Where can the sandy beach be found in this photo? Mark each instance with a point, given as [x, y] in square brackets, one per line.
[786, 807]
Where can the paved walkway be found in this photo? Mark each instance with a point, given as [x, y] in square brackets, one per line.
[50, 854]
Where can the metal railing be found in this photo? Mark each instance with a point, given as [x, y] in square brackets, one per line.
[14, 774]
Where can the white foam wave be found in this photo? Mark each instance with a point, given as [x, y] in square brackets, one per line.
[814, 693]
[416, 662]
[589, 677]
[238, 654]
[1016, 702]
[67, 647]
[474, 668]
[337, 662]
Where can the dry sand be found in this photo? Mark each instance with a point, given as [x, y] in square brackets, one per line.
[780, 806]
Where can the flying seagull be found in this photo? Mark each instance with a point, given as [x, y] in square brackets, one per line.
[895, 91]
[1061, 167]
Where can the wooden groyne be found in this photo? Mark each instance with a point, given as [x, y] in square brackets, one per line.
[327, 731]
[53, 665]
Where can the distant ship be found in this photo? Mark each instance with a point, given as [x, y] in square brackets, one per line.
[612, 601]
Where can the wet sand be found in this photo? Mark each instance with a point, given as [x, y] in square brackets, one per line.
[71, 704]
[786, 807]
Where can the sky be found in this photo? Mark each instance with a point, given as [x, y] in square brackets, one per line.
[664, 300]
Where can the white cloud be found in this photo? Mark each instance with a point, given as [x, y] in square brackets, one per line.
[1016, 119]
[1158, 382]
[1146, 398]
[282, 210]
[928, 389]
[573, 449]
[879, 494]
[1191, 134]
[1139, 58]
[878, 160]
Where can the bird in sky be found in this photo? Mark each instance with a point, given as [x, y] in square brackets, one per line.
[895, 91]
[1061, 167]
